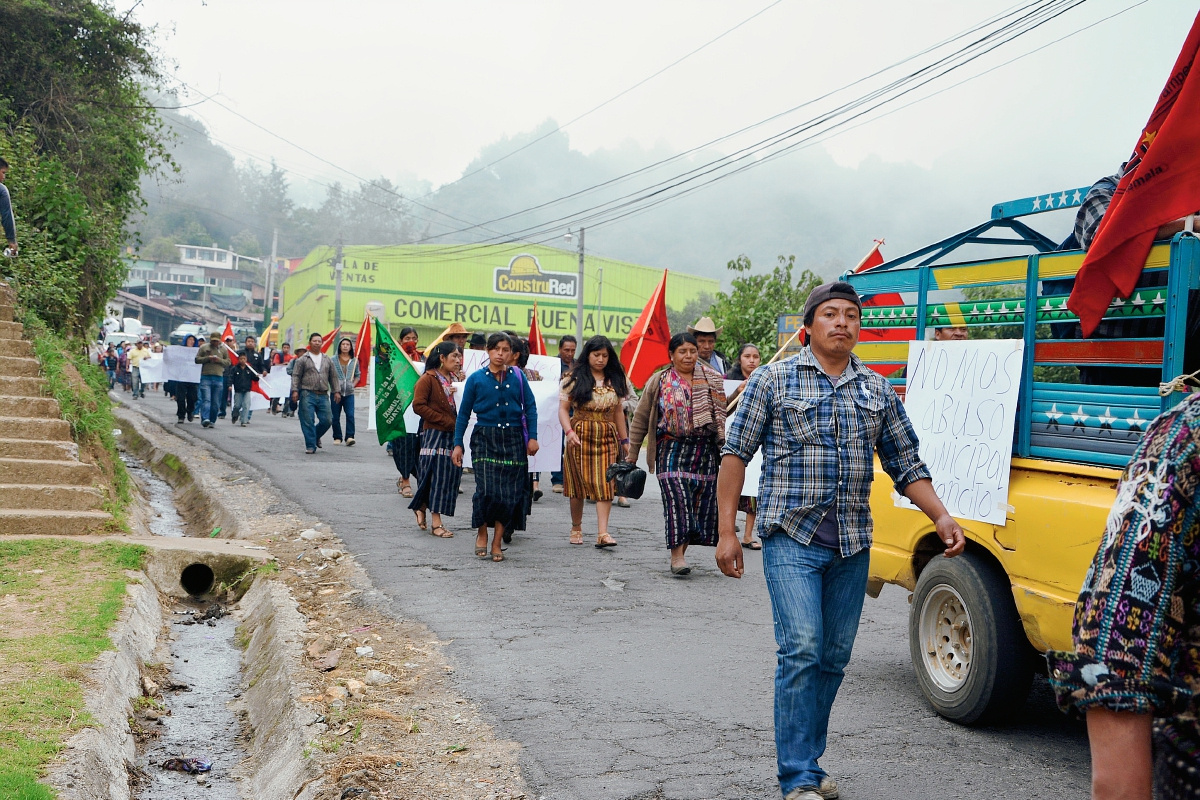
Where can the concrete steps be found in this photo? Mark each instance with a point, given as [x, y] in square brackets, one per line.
[47, 522]
[44, 487]
[32, 496]
[26, 407]
[42, 450]
[40, 428]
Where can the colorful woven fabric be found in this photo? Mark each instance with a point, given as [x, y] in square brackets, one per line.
[406, 452]
[584, 467]
[687, 474]
[1137, 621]
[437, 485]
[501, 477]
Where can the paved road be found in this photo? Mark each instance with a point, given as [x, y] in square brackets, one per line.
[622, 682]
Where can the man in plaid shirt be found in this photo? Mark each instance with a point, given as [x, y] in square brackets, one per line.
[819, 418]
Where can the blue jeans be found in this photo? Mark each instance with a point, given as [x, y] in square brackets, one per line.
[241, 406]
[211, 387]
[312, 403]
[346, 404]
[816, 600]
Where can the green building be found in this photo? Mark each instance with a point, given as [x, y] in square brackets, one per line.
[486, 288]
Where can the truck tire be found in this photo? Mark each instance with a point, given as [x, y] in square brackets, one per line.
[966, 641]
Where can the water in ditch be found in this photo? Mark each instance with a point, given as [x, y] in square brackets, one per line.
[165, 521]
[201, 723]
[194, 716]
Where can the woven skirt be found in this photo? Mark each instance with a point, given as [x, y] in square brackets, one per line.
[584, 467]
[406, 453]
[437, 477]
[687, 475]
[501, 477]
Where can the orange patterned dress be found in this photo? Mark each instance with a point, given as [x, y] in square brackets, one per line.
[584, 467]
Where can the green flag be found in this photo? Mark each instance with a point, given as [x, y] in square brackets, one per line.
[395, 379]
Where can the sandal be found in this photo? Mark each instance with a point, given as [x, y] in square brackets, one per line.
[445, 534]
[753, 544]
[481, 552]
[400, 485]
[421, 520]
[497, 558]
[576, 535]
[406, 491]
[604, 540]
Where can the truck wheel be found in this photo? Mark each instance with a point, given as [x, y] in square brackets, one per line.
[967, 644]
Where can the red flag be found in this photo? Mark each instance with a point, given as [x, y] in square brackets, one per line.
[228, 332]
[362, 350]
[255, 388]
[327, 339]
[645, 348]
[872, 259]
[1161, 184]
[537, 345]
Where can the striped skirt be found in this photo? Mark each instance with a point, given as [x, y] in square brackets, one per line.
[501, 477]
[584, 467]
[438, 478]
[406, 452]
[687, 474]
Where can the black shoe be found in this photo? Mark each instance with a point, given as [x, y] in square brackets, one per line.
[537, 495]
[220, 416]
[507, 537]
[191, 417]
[234, 419]
[318, 443]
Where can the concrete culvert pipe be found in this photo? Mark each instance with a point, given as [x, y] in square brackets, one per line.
[197, 579]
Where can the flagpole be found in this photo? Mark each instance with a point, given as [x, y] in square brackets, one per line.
[733, 403]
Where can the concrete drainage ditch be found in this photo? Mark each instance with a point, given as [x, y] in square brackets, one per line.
[202, 669]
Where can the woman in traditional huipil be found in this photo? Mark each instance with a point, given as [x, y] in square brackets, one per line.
[748, 359]
[433, 401]
[682, 414]
[595, 435]
[406, 449]
[505, 436]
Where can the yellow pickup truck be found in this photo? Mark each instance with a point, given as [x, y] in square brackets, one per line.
[979, 622]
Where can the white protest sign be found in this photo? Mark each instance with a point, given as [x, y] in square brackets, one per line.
[257, 401]
[152, 368]
[179, 364]
[962, 399]
[412, 422]
[545, 396]
[754, 468]
[276, 383]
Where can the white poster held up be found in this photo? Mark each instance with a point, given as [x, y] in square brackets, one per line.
[179, 364]
[276, 383]
[152, 368]
[754, 468]
[545, 396]
[962, 399]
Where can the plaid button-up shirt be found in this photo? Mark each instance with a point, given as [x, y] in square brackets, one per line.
[788, 409]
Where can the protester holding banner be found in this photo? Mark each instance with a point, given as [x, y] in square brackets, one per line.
[505, 435]
[186, 392]
[406, 450]
[345, 368]
[747, 360]
[213, 359]
[682, 414]
[593, 423]
[433, 401]
[313, 381]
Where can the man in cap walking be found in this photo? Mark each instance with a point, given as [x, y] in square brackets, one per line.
[819, 417]
[706, 333]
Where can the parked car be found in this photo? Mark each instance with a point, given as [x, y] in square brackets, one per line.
[115, 339]
[188, 329]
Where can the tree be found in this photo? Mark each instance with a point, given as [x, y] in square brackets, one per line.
[749, 313]
[79, 131]
[695, 308]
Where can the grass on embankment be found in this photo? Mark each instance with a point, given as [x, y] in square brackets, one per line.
[58, 600]
[81, 389]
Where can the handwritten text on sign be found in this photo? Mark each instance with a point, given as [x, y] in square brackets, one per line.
[962, 399]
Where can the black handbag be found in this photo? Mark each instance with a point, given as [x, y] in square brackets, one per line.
[629, 479]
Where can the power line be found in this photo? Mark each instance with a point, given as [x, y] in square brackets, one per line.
[612, 99]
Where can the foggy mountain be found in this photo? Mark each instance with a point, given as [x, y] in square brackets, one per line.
[804, 204]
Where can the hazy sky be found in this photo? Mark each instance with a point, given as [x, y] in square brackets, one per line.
[416, 88]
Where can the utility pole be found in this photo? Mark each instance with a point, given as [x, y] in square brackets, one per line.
[579, 296]
[270, 304]
[337, 286]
